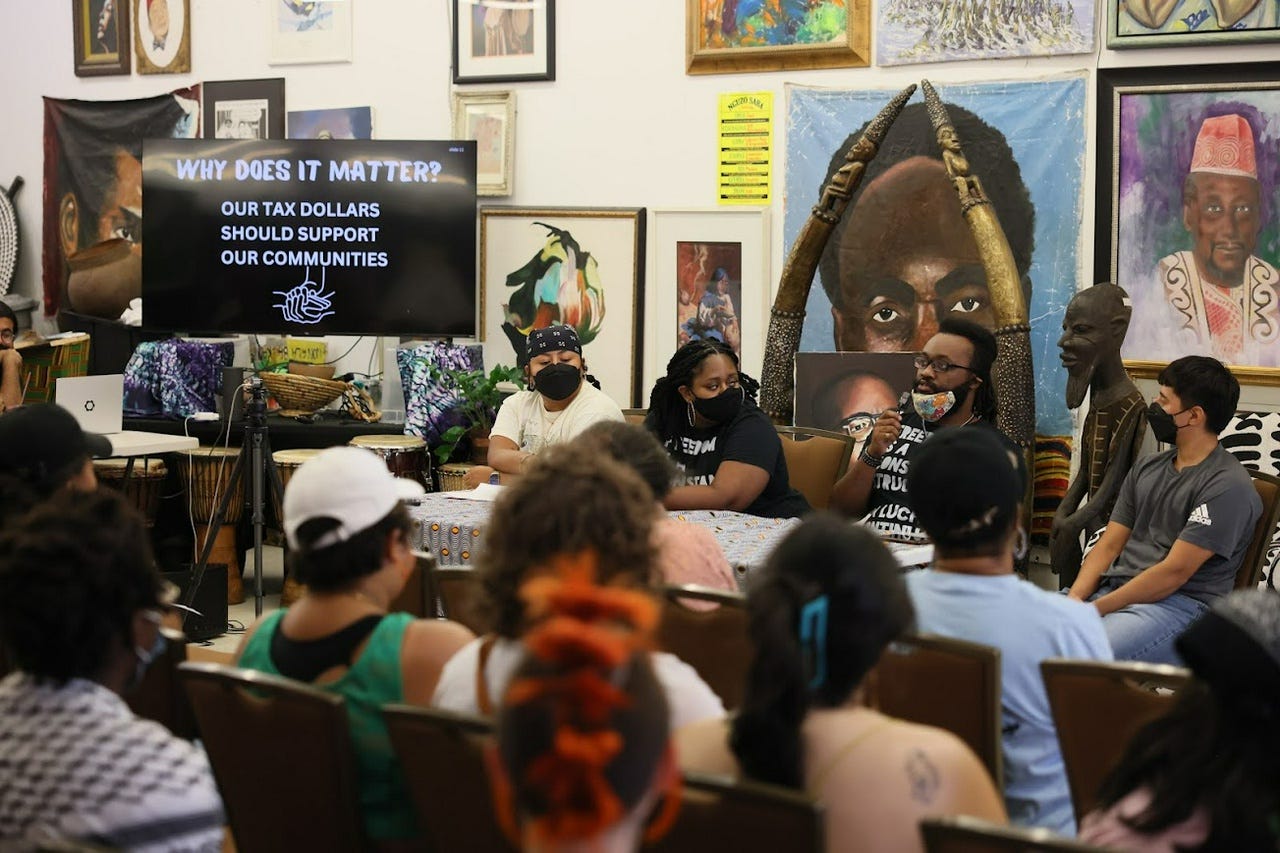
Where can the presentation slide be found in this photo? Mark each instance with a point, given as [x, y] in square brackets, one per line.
[310, 236]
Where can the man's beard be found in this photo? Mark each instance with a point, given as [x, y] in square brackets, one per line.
[1078, 380]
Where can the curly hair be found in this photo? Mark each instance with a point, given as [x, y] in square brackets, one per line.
[567, 502]
[334, 566]
[73, 572]
[868, 606]
[666, 406]
[635, 446]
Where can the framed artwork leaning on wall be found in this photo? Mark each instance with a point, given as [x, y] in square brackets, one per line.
[1187, 221]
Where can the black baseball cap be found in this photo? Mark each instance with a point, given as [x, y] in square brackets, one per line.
[964, 485]
[44, 440]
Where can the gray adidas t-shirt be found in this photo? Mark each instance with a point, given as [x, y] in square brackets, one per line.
[1213, 505]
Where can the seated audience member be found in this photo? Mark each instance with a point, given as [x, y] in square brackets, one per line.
[704, 412]
[822, 610]
[687, 553]
[349, 534]
[1182, 523]
[43, 447]
[583, 751]
[966, 491]
[561, 402]
[953, 389]
[80, 611]
[1203, 777]
[567, 503]
[10, 360]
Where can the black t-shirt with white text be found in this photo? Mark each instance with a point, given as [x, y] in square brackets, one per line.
[749, 438]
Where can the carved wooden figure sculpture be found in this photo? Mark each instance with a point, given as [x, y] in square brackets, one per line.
[1092, 331]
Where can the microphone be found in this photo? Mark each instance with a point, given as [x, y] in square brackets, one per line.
[905, 406]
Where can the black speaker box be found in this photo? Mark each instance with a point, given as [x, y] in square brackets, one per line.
[210, 602]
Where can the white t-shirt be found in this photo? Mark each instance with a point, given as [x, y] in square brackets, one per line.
[525, 420]
[689, 699]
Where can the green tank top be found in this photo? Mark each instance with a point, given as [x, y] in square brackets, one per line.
[371, 682]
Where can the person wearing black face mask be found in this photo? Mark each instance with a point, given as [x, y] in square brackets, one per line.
[563, 400]
[1182, 523]
[704, 412]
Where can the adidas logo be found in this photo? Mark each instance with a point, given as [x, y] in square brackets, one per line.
[1200, 515]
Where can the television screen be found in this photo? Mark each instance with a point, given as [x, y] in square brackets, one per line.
[310, 236]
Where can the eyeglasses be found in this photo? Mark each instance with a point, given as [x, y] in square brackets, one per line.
[939, 365]
[858, 425]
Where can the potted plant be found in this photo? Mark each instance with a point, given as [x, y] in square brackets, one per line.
[478, 401]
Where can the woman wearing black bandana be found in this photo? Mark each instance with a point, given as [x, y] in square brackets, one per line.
[561, 402]
[704, 412]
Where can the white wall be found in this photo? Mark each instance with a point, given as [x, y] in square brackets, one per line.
[622, 124]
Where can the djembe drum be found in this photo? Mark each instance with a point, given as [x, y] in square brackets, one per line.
[142, 488]
[404, 455]
[451, 476]
[206, 471]
[287, 462]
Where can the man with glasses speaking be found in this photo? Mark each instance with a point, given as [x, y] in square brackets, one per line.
[953, 388]
[10, 360]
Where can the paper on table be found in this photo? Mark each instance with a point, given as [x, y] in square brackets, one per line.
[482, 492]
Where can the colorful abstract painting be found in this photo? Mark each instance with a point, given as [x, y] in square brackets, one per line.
[773, 23]
[910, 31]
[1024, 140]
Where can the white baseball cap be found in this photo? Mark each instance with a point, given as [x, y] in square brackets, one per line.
[349, 484]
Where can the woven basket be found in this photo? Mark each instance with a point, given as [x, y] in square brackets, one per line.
[301, 394]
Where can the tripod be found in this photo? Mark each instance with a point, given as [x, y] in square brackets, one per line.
[262, 475]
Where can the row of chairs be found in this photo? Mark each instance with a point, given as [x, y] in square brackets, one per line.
[932, 680]
[298, 791]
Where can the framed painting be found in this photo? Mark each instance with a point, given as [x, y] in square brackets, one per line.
[1169, 23]
[730, 36]
[583, 267]
[336, 123]
[711, 268]
[503, 41]
[162, 36]
[244, 109]
[300, 33]
[490, 119]
[102, 37]
[911, 31]
[1187, 219]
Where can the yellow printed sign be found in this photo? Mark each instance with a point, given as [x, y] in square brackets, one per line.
[308, 350]
[745, 161]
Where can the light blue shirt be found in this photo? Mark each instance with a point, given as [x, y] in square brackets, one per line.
[1028, 625]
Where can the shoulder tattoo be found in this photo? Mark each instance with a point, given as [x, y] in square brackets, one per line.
[923, 776]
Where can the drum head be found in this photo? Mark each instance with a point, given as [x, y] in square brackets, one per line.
[388, 442]
[295, 456]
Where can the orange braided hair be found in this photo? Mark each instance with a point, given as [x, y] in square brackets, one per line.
[587, 646]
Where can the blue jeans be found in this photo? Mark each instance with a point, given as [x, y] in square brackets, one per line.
[1145, 632]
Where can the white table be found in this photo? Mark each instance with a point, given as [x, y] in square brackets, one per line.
[139, 443]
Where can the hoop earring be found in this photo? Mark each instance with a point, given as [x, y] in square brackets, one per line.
[1020, 549]
[689, 411]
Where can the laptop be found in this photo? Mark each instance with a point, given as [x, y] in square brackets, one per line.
[97, 402]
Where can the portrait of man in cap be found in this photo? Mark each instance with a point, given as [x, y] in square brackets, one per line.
[1222, 295]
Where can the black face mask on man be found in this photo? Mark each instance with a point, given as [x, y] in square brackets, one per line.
[722, 407]
[558, 381]
[1163, 425]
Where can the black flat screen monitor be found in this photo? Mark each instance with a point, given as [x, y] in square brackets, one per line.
[310, 236]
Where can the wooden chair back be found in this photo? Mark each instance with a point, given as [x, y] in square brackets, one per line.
[635, 416]
[816, 459]
[282, 757]
[442, 754]
[948, 683]
[160, 696]
[961, 834]
[1255, 558]
[1097, 709]
[714, 642]
[418, 595]
[718, 813]
[460, 595]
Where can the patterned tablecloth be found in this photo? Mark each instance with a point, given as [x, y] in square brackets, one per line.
[451, 528]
